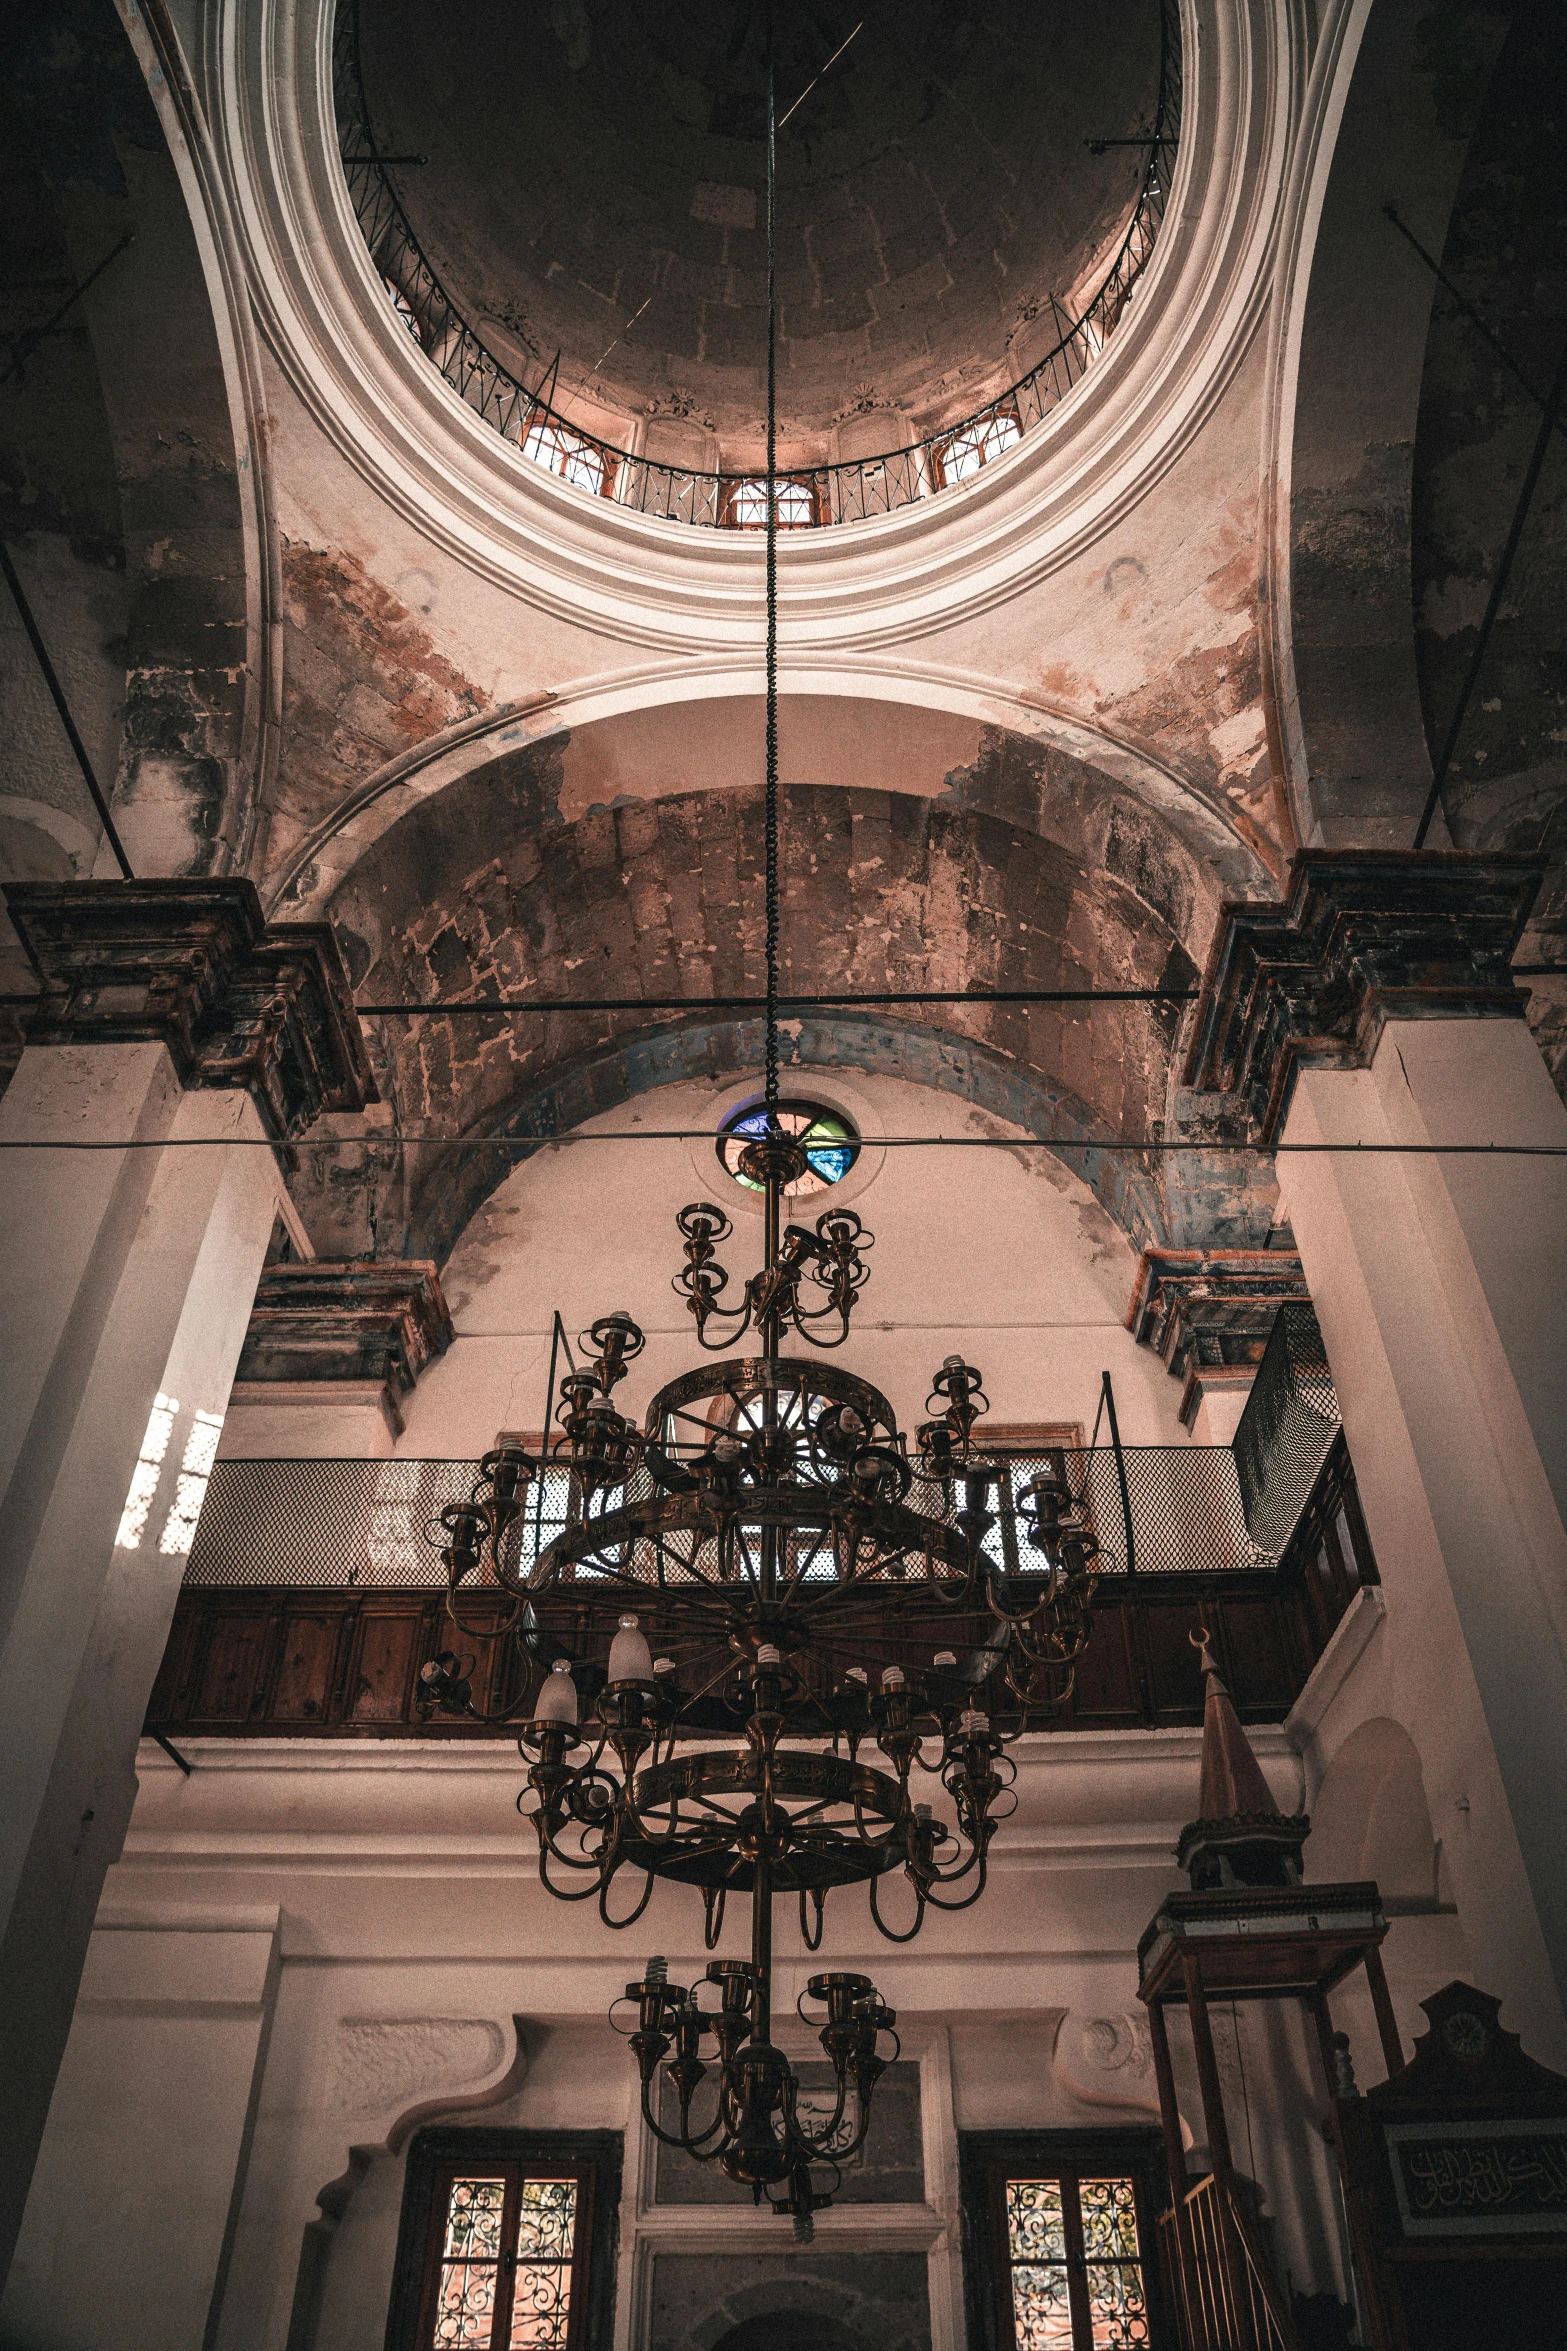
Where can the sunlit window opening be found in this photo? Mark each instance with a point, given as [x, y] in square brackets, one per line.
[149, 1467]
[831, 1144]
[1076, 2265]
[745, 507]
[505, 2277]
[576, 460]
[978, 444]
[190, 1487]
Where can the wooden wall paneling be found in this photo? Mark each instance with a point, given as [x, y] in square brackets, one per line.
[1169, 1661]
[1257, 1653]
[1107, 1693]
[388, 1649]
[232, 1667]
[170, 1699]
[307, 1663]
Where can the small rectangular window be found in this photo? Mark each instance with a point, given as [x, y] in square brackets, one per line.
[1059, 2230]
[1075, 2258]
[507, 2242]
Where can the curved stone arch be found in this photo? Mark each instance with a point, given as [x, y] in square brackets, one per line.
[1220, 864]
[487, 893]
[1389, 114]
[444, 1197]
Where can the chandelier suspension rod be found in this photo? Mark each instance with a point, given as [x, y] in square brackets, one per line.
[771, 1045]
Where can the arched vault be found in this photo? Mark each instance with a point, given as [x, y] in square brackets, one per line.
[488, 893]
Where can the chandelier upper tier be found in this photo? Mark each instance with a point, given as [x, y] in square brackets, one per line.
[769, 1526]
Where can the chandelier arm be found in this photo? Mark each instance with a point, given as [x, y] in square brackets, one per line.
[490, 1632]
[891, 1933]
[687, 2145]
[818, 1897]
[562, 1893]
[968, 1900]
[818, 2142]
[631, 1919]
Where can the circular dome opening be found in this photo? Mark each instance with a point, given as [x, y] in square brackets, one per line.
[584, 189]
[831, 1144]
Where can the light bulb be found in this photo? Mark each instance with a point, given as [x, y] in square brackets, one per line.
[630, 1658]
[557, 1698]
[945, 1657]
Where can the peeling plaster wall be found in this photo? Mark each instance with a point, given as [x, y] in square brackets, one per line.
[1507, 785]
[117, 454]
[1418, 80]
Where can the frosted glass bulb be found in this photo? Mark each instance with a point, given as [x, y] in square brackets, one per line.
[557, 1698]
[630, 1658]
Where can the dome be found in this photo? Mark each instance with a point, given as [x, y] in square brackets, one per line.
[595, 186]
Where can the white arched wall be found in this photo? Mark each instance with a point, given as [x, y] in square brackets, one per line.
[1001, 1255]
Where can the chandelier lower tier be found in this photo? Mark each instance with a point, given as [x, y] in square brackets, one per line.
[786, 1591]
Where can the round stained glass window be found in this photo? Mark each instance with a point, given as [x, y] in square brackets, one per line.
[831, 1144]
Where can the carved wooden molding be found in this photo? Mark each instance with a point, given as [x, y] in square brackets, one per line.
[1363, 937]
[196, 966]
[1208, 1309]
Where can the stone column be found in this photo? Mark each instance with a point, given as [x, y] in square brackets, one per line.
[175, 1027]
[1376, 1008]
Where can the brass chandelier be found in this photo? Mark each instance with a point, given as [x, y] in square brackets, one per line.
[768, 1523]
[767, 1520]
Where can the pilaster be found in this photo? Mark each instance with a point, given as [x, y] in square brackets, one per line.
[177, 1044]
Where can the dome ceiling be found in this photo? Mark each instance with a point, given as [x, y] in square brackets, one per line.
[596, 177]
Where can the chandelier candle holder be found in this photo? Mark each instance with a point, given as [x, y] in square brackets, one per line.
[768, 1523]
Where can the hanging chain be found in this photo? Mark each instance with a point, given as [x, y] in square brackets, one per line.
[771, 1063]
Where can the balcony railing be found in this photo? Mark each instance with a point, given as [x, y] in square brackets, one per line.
[312, 1597]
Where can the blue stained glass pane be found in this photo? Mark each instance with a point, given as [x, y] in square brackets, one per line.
[831, 1162]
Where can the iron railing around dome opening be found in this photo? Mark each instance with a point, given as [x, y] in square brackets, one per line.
[849, 491]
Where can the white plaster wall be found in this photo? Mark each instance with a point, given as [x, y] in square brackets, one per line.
[426, 1975]
[1002, 1256]
[142, 2163]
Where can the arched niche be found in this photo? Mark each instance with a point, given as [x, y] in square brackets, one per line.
[1371, 1818]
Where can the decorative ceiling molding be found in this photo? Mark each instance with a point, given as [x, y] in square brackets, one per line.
[663, 586]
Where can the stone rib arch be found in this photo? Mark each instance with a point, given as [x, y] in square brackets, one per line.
[312, 869]
[663, 900]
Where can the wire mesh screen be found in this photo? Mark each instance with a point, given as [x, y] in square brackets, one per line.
[1287, 1429]
[324, 1525]
[328, 1524]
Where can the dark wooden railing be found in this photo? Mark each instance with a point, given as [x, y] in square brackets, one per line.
[270, 1658]
[1214, 2313]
